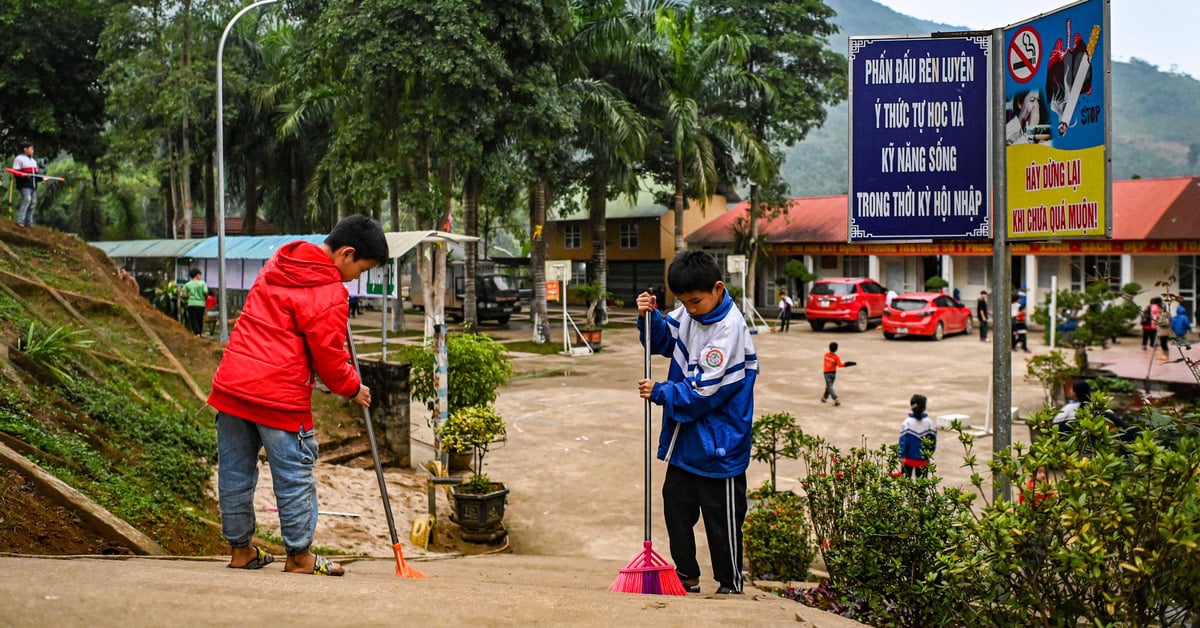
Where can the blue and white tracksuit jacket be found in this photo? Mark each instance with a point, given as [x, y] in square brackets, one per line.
[708, 398]
[913, 434]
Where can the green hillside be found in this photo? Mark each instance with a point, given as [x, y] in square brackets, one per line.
[1156, 129]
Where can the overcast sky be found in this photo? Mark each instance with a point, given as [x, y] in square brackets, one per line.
[1165, 33]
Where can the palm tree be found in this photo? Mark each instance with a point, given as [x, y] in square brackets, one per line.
[703, 64]
[605, 55]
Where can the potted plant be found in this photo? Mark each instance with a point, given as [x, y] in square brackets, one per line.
[936, 283]
[478, 502]
[593, 294]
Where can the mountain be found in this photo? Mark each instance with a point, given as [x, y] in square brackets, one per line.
[1155, 114]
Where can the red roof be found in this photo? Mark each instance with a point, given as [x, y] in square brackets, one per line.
[1143, 209]
[234, 226]
[817, 219]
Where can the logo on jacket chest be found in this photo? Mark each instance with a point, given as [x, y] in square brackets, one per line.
[714, 357]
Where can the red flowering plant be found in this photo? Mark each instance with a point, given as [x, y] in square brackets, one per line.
[879, 535]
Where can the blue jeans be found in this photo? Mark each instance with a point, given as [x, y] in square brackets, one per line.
[829, 391]
[25, 209]
[291, 456]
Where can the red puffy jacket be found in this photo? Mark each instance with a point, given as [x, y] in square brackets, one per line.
[293, 323]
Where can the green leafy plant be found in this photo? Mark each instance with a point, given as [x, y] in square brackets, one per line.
[1053, 372]
[54, 348]
[880, 534]
[794, 271]
[593, 295]
[1111, 538]
[167, 298]
[936, 283]
[477, 366]
[473, 429]
[777, 539]
[775, 436]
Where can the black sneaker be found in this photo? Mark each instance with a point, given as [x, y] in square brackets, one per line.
[691, 586]
[724, 590]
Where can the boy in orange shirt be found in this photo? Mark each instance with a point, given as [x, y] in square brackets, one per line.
[832, 362]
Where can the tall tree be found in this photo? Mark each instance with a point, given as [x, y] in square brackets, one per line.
[789, 51]
[161, 57]
[607, 56]
[702, 66]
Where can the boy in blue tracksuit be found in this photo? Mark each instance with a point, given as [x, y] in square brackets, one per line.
[708, 405]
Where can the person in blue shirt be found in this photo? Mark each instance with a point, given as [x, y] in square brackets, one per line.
[1181, 323]
[708, 406]
[918, 439]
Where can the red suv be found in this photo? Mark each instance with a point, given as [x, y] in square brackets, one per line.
[845, 300]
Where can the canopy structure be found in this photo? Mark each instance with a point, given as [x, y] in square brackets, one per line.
[259, 247]
[148, 248]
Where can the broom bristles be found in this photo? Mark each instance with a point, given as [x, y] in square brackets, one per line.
[648, 573]
[402, 568]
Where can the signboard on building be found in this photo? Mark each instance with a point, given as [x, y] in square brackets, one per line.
[1057, 133]
[919, 129]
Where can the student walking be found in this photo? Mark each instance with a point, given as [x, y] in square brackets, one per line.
[197, 295]
[830, 366]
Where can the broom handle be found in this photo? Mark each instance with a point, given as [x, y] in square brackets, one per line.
[646, 327]
[387, 505]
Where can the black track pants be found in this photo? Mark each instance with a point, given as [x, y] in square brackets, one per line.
[722, 503]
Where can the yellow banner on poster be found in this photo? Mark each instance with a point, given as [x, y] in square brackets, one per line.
[1055, 193]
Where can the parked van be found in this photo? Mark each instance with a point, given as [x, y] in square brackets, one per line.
[495, 293]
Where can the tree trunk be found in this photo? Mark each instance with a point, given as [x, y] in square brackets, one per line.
[295, 190]
[597, 220]
[250, 222]
[471, 186]
[394, 204]
[752, 243]
[537, 257]
[210, 210]
[680, 202]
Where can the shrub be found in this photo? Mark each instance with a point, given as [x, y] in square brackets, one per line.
[472, 429]
[880, 534]
[775, 436]
[477, 366]
[935, 283]
[1114, 542]
[777, 540]
[55, 349]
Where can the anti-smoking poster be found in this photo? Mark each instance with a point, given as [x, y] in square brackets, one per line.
[1056, 124]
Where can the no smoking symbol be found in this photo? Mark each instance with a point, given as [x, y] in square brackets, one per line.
[1024, 54]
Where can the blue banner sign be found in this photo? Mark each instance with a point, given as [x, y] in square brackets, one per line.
[919, 129]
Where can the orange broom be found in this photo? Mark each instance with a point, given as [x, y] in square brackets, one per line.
[402, 568]
[648, 572]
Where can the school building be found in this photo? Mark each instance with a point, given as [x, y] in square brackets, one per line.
[1156, 235]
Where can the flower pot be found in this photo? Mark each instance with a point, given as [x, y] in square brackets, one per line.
[591, 337]
[480, 516]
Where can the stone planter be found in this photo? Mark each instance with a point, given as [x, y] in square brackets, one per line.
[481, 516]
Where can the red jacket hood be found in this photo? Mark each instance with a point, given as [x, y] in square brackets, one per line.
[301, 264]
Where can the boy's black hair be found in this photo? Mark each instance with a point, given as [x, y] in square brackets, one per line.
[362, 233]
[24, 145]
[193, 272]
[833, 347]
[693, 271]
[1082, 390]
[918, 404]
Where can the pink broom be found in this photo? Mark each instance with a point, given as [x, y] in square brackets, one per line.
[648, 572]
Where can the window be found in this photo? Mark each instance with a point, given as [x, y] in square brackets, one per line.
[855, 266]
[1086, 269]
[629, 236]
[977, 270]
[572, 236]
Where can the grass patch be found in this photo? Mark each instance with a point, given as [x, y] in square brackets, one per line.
[529, 346]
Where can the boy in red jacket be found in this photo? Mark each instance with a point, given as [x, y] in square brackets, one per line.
[293, 324]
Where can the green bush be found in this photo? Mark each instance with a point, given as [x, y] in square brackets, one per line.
[1114, 541]
[777, 540]
[472, 429]
[775, 436]
[477, 366]
[880, 534]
